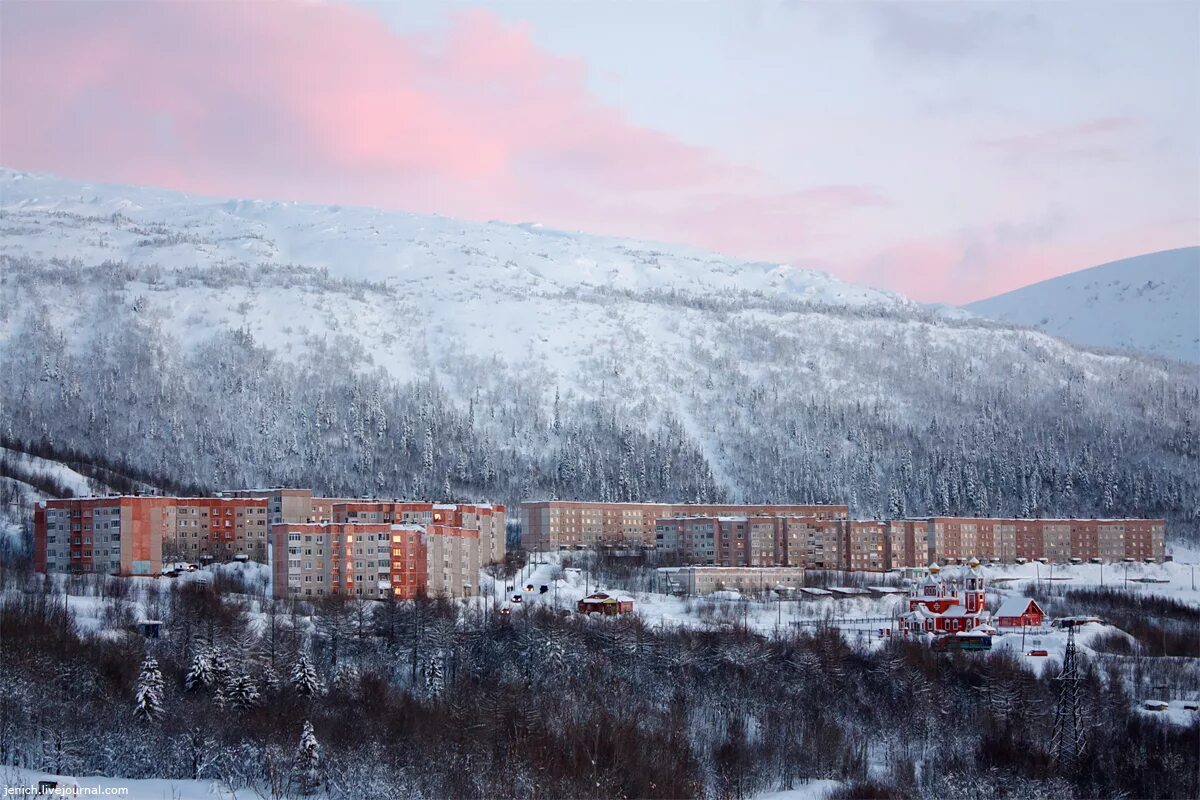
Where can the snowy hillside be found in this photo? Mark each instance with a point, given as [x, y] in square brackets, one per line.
[359, 351]
[1149, 303]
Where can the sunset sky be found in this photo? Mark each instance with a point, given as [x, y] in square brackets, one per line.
[947, 151]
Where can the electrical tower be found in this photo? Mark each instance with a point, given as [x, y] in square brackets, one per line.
[1067, 744]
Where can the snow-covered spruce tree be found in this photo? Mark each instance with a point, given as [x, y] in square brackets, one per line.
[308, 760]
[435, 676]
[147, 701]
[242, 693]
[200, 673]
[304, 677]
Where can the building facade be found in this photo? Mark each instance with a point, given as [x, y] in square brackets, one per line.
[960, 538]
[567, 524]
[373, 560]
[487, 519]
[704, 580]
[136, 535]
[947, 603]
[105, 535]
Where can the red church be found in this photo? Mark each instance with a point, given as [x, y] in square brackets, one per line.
[940, 605]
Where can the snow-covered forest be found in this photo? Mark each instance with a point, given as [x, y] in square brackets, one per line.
[364, 699]
[219, 344]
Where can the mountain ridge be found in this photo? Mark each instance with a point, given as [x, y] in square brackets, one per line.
[365, 352]
[1147, 303]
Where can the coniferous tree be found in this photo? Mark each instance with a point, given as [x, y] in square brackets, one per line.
[148, 694]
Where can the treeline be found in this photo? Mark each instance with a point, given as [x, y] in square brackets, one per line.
[115, 476]
[430, 699]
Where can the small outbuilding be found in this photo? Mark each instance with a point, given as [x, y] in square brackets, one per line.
[1020, 612]
[606, 604]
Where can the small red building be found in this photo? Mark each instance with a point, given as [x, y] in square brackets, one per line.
[606, 604]
[1020, 612]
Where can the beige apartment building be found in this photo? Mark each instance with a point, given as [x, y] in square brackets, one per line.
[372, 560]
[574, 524]
[487, 519]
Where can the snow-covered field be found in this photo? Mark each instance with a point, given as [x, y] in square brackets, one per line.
[813, 790]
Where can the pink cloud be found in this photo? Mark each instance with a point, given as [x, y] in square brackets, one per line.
[1102, 139]
[325, 103]
[983, 263]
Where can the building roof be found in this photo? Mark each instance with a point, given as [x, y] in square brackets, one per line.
[1016, 606]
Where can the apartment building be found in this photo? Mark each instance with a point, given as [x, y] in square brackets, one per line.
[487, 519]
[217, 528]
[952, 538]
[907, 543]
[823, 544]
[453, 561]
[864, 544]
[291, 505]
[105, 535]
[763, 541]
[566, 524]
[704, 580]
[135, 535]
[372, 560]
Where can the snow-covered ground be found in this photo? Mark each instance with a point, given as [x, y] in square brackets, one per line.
[1172, 579]
[1177, 712]
[80, 485]
[813, 790]
[14, 779]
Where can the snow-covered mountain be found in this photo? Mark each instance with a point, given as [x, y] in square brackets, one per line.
[235, 342]
[1149, 303]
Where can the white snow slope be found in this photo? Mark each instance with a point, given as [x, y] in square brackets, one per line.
[504, 310]
[1149, 303]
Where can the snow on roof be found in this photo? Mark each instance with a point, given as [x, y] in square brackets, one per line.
[604, 597]
[814, 591]
[886, 589]
[1015, 606]
[847, 590]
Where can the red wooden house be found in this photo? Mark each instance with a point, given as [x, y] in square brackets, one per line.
[1020, 612]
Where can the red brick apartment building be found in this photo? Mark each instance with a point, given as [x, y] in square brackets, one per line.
[559, 524]
[960, 538]
[873, 546]
[372, 560]
[767, 541]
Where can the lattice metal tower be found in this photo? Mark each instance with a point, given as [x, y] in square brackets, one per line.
[1068, 742]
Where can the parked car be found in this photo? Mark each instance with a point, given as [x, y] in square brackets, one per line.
[1039, 653]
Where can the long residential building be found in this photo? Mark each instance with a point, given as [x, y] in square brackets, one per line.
[137, 534]
[568, 524]
[767, 541]
[962, 538]
[873, 546]
[373, 560]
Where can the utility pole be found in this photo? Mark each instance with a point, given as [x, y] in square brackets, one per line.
[1067, 745]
